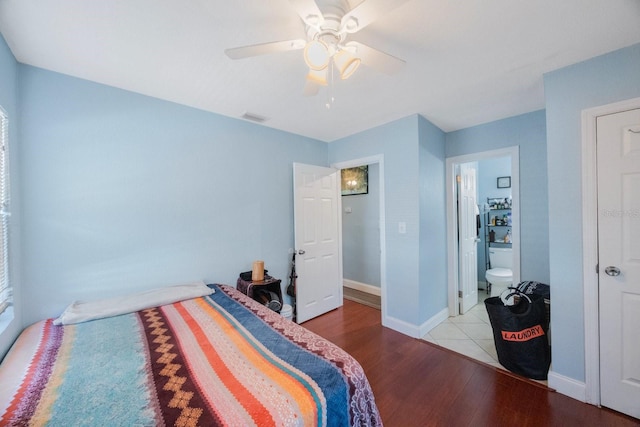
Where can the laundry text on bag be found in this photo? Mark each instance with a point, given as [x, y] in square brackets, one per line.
[524, 335]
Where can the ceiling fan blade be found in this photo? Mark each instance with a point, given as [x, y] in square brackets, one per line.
[367, 12]
[264, 48]
[309, 11]
[375, 58]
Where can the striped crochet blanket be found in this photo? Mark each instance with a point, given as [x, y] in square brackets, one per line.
[222, 359]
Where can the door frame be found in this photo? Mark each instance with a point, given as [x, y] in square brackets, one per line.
[452, 215]
[376, 159]
[590, 245]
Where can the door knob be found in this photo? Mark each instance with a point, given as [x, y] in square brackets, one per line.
[612, 271]
[301, 252]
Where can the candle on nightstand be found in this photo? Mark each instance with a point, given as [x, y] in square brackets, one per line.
[257, 272]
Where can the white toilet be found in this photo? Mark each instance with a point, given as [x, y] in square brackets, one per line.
[500, 273]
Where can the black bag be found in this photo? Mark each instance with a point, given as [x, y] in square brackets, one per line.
[520, 333]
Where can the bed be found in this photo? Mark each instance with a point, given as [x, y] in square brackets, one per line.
[219, 359]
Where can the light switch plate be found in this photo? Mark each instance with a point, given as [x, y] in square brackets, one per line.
[402, 227]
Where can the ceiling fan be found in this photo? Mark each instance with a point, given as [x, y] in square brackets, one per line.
[327, 47]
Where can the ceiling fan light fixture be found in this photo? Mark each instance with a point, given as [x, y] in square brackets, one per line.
[316, 55]
[318, 77]
[346, 63]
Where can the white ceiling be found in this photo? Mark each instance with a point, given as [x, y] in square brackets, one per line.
[468, 62]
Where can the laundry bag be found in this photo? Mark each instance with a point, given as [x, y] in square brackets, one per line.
[520, 331]
[539, 289]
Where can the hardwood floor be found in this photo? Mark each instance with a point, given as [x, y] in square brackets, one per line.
[419, 384]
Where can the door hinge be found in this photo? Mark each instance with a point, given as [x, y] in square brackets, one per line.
[597, 268]
[459, 294]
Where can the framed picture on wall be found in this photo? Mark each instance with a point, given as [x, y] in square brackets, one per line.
[355, 180]
[504, 182]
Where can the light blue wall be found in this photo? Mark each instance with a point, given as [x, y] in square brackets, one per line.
[397, 142]
[411, 155]
[361, 233]
[433, 234]
[488, 172]
[10, 326]
[606, 79]
[528, 131]
[125, 192]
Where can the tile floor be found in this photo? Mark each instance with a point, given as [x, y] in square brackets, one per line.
[469, 334]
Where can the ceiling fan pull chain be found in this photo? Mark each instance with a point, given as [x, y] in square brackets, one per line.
[330, 97]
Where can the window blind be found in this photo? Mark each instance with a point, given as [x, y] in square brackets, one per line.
[5, 286]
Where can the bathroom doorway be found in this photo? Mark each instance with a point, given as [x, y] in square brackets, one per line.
[453, 250]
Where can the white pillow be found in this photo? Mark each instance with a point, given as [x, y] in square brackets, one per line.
[81, 311]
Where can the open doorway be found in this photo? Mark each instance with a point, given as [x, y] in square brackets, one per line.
[363, 243]
[467, 330]
[452, 165]
[361, 235]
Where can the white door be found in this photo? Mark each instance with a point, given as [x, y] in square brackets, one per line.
[316, 205]
[618, 157]
[468, 237]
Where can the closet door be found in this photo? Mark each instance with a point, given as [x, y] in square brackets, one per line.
[618, 151]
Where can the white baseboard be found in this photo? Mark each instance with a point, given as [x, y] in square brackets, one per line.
[412, 330]
[401, 326]
[434, 321]
[567, 386]
[362, 287]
